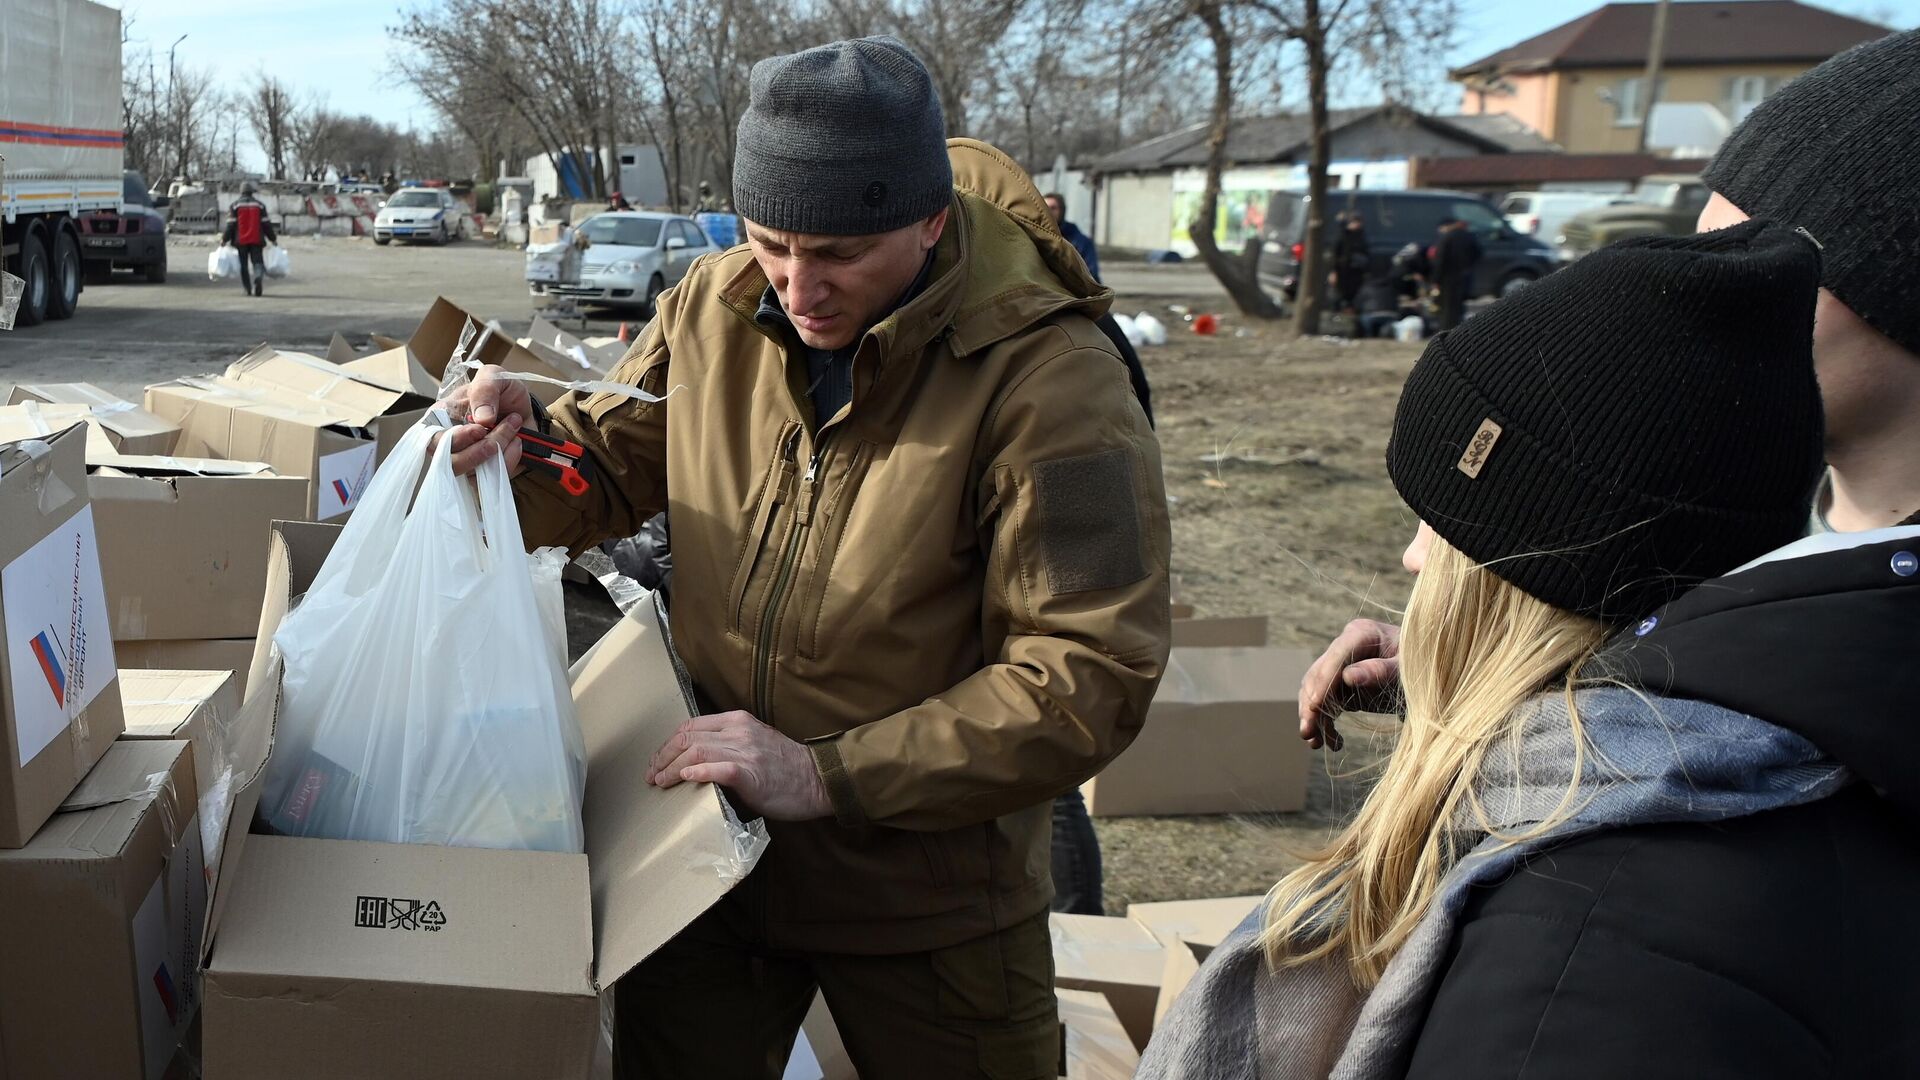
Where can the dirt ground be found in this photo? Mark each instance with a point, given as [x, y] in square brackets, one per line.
[1273, 454]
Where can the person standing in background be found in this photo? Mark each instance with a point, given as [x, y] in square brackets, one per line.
[1454, 260]
[1351, 261]
[1081, 242]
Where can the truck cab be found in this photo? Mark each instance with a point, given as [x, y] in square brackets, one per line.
[1660, 206]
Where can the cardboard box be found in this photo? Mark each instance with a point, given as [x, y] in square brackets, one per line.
[458, 962]
[103, 914]
[818, 1052]
[33, 420]
[1189, 930]
[131, 429]
[1116, 957]
[1243, 632]
[594, 358]
[220, 654]
[59, 705]
[183, 542]
[448, 331]
[1220, 738]
[379, 393]
[392, 366]
[1094, 1044]
[194, 707]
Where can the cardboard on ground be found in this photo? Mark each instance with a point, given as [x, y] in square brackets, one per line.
[103, 913]
[59, 709]
[131, 429]
[458, 962]
[1220, 738]
[1116, 957]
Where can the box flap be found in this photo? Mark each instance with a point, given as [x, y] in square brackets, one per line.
[37, 420]
[158, 702]
[129, 770]
[1207, 922]
[417, 914]
[396, 368]
[117, 414]
[565, 350]
[1096, 1046]
[440, 335]
[357, 402]
[338, 351]
[1100, 949]
[658, 858]
[166, 465]
[101, 816]
[1205, 676]
[265, 399]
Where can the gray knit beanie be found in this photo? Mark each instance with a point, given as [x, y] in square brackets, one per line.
[1837, 152]
[845, 139]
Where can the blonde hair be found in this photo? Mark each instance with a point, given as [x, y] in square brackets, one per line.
[1473, 649]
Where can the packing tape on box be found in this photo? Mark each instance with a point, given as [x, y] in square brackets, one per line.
[625, 592]
[749, 843]
[585, 386]
[50, 492]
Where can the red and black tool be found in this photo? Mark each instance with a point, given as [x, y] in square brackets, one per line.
[562, 456]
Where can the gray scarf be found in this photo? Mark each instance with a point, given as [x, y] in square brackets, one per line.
[1651, 760]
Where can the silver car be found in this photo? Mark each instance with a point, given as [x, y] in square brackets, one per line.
[633, 256]
[418, 214]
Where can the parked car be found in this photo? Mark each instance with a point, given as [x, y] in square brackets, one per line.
[1660, 206]
[1395, 219]
[1542, 213]
[418, 214]
[131, 238]
[632, 257]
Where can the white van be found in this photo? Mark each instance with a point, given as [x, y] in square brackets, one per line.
[1541, 213]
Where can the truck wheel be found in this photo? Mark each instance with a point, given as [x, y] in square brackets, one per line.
[32, 267]
[156, 272]
[64, 296]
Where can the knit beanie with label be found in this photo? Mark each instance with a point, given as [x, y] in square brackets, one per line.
[1837, 152]
[845, 139]
[1638, 422]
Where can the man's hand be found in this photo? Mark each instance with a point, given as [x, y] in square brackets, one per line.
[773, 775]
[490, 411]
[1360, 670]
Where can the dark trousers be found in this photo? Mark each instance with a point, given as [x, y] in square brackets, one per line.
[253, 268]
[716, 1002]
[1076, 858]
[1453, 301]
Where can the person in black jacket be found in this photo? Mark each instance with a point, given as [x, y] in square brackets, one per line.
[1653, 808]
[1454, 260]
[1352, 260]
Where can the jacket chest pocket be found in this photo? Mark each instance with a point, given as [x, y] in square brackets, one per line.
[830, 528]
[763, 534]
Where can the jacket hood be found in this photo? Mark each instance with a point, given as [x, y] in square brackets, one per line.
[1817, 637]
[1001, 268]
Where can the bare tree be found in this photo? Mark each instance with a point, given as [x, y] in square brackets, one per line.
[269, 108]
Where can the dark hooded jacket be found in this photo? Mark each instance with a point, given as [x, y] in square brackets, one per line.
[1778, 945]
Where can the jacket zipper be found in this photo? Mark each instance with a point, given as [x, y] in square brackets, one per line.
[782, 491]
[782, 579]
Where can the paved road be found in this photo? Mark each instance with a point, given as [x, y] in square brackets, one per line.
[129, 334]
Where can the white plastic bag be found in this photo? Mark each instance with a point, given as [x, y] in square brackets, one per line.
[1152, 330]
[223, 263]
[278, 262]
[424, 699]
[1130, 330]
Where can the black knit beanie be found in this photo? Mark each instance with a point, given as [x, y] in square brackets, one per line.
[1633, 424]
[1837, 152]
[845, 139]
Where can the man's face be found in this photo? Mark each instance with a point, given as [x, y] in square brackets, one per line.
[1057, 208]
[1850, 358]
[834, 287]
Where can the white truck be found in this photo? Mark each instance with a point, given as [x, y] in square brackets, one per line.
[60, 142]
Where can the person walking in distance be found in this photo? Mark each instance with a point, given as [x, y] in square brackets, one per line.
[1352, 260]
[1454, 260]
[920, 583]
[250, 230]
[1866, 336]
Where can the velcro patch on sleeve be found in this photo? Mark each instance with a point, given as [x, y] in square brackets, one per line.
[1089, 522]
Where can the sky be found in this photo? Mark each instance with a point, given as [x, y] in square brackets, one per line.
[339, 49]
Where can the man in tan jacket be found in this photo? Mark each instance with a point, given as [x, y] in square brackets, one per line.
[920, 543]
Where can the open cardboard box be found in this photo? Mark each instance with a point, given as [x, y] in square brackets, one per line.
[183, 542]
[1094, 1043]
[440, 335]
[1116, 957]
[1220, 738]
[131, 429]
[330, 959]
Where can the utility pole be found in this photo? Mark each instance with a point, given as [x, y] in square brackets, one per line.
[1650, 84]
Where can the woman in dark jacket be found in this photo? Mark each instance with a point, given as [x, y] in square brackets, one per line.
[1652, 810]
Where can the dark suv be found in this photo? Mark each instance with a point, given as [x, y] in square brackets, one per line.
[134, 238]
[1395, 219]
